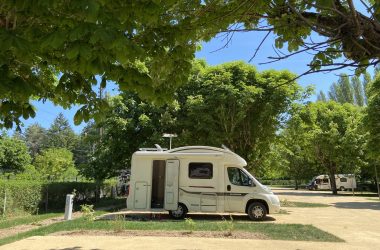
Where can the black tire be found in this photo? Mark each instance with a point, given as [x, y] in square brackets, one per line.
[257, 211]
[342, 188]
[180, 213]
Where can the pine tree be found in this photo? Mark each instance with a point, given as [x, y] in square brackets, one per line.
[35, 137]
[60, 134]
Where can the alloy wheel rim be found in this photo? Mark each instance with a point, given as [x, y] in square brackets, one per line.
[258, 212]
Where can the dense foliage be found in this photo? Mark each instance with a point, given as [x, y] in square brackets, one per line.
[231, 104]
[147, 46]
[55, 164]
[14, 156]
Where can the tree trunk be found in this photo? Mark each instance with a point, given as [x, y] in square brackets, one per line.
[296, 182]
[98, 185]
[332, 181]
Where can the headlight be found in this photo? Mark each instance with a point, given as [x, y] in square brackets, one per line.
[275, 200]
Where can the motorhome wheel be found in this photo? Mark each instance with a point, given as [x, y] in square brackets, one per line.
[179, 213]
[257, 211]
[342, 188]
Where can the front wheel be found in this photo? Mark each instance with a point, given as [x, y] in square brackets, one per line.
[257, 211]
[180, 213]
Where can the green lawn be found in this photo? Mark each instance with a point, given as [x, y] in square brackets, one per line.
[271, 230]
[27, 219]
[286, 203]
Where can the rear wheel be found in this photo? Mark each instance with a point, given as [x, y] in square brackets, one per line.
[257, 211]
[180, 213]
[342, 188]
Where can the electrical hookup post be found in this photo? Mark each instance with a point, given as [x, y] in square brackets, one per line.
[69, 207]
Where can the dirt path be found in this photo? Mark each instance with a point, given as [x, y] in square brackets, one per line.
[6, 232]
[167, 243]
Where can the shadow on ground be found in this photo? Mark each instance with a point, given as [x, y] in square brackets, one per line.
[358, 205]
[166, 217]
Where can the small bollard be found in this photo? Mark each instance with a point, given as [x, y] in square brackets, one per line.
[69, 207]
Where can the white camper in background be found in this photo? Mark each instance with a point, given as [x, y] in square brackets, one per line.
[343, 182]
[196, 179]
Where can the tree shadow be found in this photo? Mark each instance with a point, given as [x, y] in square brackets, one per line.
[358, 205]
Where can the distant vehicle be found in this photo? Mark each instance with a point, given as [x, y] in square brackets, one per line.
[343, 182]
[196, 179]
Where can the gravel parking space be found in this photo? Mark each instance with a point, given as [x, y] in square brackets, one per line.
[355, 219]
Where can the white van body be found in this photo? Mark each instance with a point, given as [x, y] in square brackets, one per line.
[343, 182]
[196, 179]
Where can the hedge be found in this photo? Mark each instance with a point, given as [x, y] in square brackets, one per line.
[31, 196]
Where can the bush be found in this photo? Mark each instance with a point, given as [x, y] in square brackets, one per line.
[30, 196]
[20, 196]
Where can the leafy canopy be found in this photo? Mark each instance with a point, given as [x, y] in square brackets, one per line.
[54, 49]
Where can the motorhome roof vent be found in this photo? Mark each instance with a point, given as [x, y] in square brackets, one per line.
[157, 148]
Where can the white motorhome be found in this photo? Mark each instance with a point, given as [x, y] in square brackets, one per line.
[196, 179]
[343, 182]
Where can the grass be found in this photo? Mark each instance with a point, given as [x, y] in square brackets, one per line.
[286, 203]
[27, 219]
[373, 199]
[271, 230]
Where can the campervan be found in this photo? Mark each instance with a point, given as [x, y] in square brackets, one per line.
[196, 179]
[343, 182]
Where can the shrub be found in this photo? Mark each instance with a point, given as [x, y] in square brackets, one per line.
[88, 212]
[20, 196]
[29, 196]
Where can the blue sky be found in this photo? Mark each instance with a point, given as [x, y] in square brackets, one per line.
[241, 47]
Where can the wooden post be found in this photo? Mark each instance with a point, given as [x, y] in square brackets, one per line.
[377, 182]
[5, 202]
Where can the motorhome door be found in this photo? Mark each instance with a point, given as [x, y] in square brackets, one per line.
[171, 185]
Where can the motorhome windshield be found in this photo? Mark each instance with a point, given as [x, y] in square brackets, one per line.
[251, 177]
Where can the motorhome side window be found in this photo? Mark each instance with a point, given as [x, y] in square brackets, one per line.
[343, 179]
[238, 177]
[325, 180]
[200, 170]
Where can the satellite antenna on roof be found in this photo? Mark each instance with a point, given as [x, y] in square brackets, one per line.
[170, 136]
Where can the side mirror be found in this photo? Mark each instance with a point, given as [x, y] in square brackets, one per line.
[250, 183]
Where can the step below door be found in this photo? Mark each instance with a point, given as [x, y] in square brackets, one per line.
[171, 184]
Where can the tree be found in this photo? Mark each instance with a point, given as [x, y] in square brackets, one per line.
[147, 46]
[14, 156]
[235, 105]
[35, 137]
[336, 137]
[321, 96]
[346, 88]
[295, 148]
[122, 41]
[366, 79]
[55, 164]
[60, 134]
[372, 123]
[358, 90]
[131, 124]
